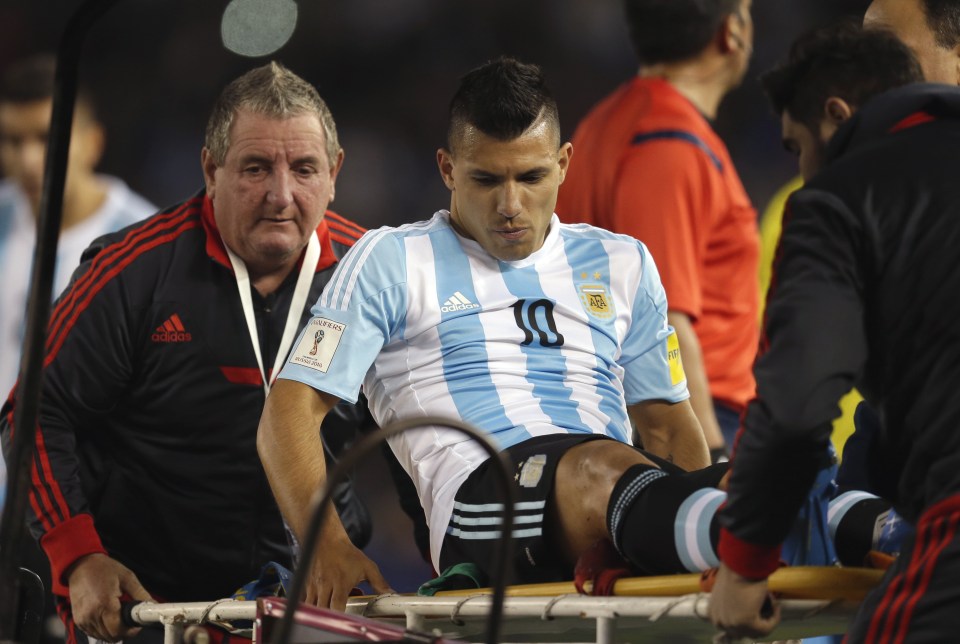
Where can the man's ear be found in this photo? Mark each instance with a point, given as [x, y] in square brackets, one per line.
[837, 111]
[730, 34]
[563, 159]
[445, 164]
[334, 172]
[209, 167]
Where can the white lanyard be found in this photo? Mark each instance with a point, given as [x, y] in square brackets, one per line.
[304, 281]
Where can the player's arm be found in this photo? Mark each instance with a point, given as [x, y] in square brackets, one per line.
[664, 205]
[671, 431]
[655, 386]
[288, 441]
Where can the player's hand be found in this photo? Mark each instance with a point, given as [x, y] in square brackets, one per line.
[96, 583]
[338, 566]
[742, 607]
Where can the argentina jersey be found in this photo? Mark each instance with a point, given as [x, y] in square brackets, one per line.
[429, 324]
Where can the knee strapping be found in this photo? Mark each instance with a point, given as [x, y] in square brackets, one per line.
[630, 486]
[664, 524]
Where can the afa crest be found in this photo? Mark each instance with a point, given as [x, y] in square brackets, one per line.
[596, 300]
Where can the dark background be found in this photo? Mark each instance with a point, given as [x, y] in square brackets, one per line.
[387, 68]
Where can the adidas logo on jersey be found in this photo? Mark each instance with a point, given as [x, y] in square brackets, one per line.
[458, 303]
[171, 330]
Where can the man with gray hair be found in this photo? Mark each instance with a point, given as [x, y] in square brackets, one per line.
[160, 355]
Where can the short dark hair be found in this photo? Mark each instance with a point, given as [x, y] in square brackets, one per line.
[31, 79]
[666, 31]
[502, 99]
[842, 60]
[943, 18]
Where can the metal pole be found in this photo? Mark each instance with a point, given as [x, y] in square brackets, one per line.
[38, 308]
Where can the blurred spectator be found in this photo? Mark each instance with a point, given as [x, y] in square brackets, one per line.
[93, 204]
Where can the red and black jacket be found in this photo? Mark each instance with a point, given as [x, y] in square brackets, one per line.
[146, 447]
[865, 293]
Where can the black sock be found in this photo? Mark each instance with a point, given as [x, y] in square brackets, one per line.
[664, 524]
[853, 519]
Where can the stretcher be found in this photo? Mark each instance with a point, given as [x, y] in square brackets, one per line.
[814, 601]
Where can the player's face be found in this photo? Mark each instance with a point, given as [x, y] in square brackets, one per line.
[504, 192]
[24, 128]
[273, 187]
[907, 20]
[808, 146]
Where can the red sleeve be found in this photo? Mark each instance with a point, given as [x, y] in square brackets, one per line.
[67, 542]
[750, 560]
[661, 192]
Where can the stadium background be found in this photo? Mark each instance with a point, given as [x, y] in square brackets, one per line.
[387, 68]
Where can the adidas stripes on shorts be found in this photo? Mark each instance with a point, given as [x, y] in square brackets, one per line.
[474, 529]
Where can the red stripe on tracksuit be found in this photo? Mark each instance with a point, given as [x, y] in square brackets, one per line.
[345, 226]
[934, 532]
[106, 277]
[87, 287]
[343, 231]
[91, 277]
[44, 463]
[35, 502]
[47, 526]
[243, 375]
[346, 241]
[949, 532]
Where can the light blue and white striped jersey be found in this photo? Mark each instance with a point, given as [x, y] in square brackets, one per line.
[428, 323]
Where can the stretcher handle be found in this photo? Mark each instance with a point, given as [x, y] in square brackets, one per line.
[126, 613]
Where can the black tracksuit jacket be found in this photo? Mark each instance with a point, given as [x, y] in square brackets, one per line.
[146, 447]
[866, 292]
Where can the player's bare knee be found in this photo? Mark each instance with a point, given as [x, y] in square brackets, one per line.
[585, 478]
[595, 467]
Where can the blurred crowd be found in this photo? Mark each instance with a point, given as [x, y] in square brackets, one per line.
[387, 68]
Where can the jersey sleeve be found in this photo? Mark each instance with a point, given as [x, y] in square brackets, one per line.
[87, 366]
[813, 348]
[650, 353]
[361, 309]
[663, 205]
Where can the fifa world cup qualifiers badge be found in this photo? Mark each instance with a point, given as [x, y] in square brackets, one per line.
[318, 344]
